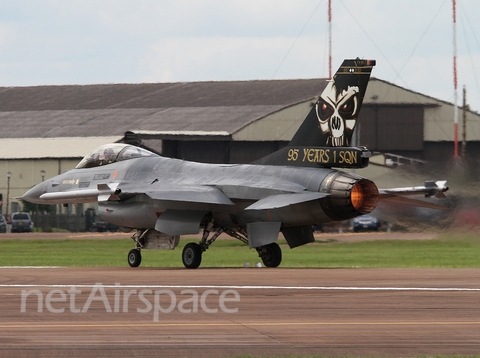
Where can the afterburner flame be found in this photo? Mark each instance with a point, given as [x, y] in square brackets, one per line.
[364, 196]
[357, 196]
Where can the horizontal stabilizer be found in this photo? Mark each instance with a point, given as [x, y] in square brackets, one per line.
[282, 200]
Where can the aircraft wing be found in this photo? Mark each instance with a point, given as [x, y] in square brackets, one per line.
[187, 193]
[430, 189]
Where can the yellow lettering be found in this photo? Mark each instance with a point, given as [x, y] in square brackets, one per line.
[292, 155]
[349, 157]
[305, 151]
[354, 157]
[325, 156]
[311, 154]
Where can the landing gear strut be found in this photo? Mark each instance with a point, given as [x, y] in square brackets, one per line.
[270, 254]
[192, 252]
[134, 255]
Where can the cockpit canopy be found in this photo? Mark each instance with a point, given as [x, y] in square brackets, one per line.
[111, 153]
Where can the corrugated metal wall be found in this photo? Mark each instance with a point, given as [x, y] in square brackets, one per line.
[391, 128]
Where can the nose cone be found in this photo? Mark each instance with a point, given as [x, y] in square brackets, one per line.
[33, 195]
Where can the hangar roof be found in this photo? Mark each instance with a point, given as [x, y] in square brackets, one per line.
[159, 95]
[216, 108]
[230, 110]
[107, 122]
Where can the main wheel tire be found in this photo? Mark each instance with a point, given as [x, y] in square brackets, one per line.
[192, 255]
[134, 258]
[271, 255]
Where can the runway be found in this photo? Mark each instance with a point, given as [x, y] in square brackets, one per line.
[230, 312]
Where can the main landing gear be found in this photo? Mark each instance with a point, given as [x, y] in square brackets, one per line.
[192, 255]
[270, 254]
[192, 252]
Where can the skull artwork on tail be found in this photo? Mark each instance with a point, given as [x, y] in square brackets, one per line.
[337, 111]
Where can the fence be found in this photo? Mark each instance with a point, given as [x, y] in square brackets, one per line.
[78, 221]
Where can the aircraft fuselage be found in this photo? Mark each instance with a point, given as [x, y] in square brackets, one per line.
[121, 190]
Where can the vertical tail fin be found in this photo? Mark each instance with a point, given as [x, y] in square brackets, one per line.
[332, 120]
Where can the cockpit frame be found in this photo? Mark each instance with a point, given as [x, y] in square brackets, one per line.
[112, 153]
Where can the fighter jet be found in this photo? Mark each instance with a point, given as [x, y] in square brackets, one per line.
[289, 191]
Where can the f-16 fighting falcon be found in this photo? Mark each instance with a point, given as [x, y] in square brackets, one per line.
[286, 192]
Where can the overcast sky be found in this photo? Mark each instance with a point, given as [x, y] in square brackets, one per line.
[56, 42]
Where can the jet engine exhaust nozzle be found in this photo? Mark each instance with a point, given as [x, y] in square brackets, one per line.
[350, 196]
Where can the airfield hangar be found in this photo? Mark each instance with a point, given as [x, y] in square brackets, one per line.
[46, 130]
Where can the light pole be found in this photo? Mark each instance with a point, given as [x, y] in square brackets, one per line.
[42, 173]
[9, 175]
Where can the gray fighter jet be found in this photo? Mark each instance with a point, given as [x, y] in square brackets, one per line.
[288, 191]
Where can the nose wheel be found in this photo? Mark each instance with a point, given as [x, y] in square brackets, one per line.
[134, 258]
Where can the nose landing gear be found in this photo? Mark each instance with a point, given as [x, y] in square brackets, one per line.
[134, 258]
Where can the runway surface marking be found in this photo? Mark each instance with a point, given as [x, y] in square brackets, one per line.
[29, 267]
[234, 324]
[246, 287]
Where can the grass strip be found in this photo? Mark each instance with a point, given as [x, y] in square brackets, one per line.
[448, 251]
